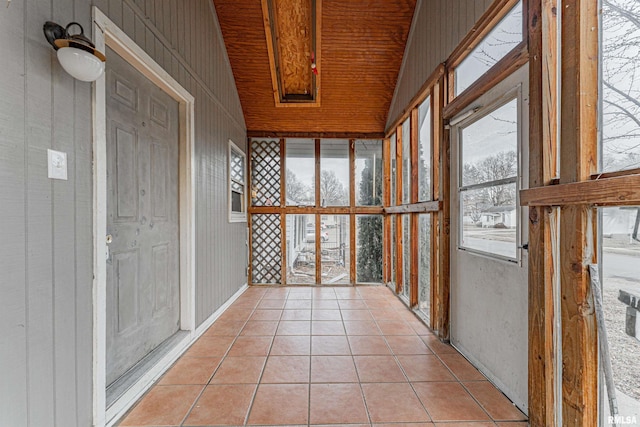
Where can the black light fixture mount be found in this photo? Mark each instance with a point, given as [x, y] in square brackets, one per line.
[76, 53]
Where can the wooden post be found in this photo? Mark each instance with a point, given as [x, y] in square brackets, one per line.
[441, 313]
[386, 202]
[318, 204]
[415, 237]
[352, 217]
[399, 252]
[579, 94]
[542, 39]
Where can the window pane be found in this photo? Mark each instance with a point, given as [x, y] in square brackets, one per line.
[489, 147]
[620, 56]
[301, 249]
[369, 248]
[237, 166]
[368, 172]
[406, 161]
[620, 293]
[489, 219]
[265, 172]
[393, 141]
[335, 259]
[334, 175]
[406, 255]
[424, 268]
[301, 172]
[236, 202]
[424, 160]
[495, 46]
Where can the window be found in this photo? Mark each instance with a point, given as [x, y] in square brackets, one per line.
[237, 184]
[368, 189]
[620, 85]
[301, 172]
[334, 172]
[505, 36]
[424, 147]
[488, 176]
[369, 248]
[392, 142]
[406, 161]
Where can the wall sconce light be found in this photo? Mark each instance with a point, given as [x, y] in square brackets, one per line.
[77, 55]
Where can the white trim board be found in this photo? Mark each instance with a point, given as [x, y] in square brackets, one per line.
[107, 34]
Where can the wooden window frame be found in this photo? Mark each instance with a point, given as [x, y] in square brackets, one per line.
[437, 207]
[516, 58]
[352, 210]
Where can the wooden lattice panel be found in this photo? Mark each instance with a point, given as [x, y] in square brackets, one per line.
[265, 173]
[266, 249]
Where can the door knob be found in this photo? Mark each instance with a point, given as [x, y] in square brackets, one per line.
[109, 239]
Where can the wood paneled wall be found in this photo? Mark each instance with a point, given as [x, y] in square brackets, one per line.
[46, 254]
[438, 27]
[45, 225]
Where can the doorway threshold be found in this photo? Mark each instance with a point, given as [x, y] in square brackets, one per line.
[120, 386]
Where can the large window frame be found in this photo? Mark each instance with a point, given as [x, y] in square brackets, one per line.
[478, 115]
[317, 209]
[237, 184]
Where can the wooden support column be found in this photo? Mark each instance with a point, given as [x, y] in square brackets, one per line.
[436, 134]
[415, 237]
[542, 39]
[283, 204]
[318, 241]
[386, 202]
[399, 252]
[352, 217]
[441, 313]
[578, 156]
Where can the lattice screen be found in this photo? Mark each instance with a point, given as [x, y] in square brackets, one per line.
[266, 249]
[265, 173]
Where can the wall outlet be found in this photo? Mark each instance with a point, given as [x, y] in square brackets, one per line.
[57, 164]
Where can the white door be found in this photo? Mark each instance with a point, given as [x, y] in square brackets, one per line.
[143, 306]
[489, 302]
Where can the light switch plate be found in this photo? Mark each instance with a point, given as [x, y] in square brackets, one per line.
[57, 164]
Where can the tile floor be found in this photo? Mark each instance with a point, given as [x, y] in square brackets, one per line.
[322, 356]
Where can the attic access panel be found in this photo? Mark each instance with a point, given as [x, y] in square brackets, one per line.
[293, 41]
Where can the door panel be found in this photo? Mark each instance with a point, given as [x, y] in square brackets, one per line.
[489, 294]
[142, 217]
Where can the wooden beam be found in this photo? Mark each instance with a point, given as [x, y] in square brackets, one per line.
[386, 201]
[283, 173]
[332, 210]
[441, 309]
[503, 68]
[415, 238]
[618, 191]
[352, 217]
[283, 247]
[328, 135]
[436, 133]
[578, 157]
[422, 207]
[542, 38]
[399, 179]
[422, 94]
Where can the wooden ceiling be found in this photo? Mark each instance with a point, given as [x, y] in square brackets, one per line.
[361, 48]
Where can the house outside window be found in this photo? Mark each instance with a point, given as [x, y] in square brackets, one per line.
[237, 184]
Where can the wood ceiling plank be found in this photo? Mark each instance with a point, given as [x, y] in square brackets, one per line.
[362, 46]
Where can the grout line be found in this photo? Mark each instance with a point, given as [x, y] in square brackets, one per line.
[221, 359]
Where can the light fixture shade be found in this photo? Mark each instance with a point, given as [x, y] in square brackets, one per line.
[80, 64]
